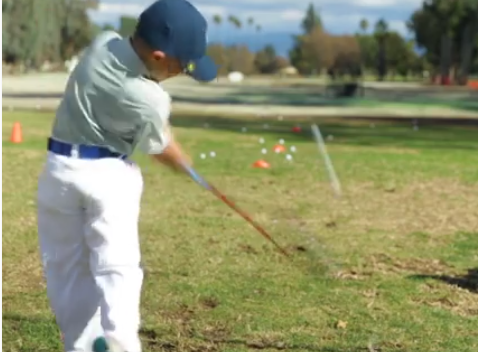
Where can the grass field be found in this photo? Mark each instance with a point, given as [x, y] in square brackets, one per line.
[390, 266]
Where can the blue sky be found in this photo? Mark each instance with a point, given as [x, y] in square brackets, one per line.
[339, 16]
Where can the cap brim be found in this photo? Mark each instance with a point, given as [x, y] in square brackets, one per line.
[205, 69]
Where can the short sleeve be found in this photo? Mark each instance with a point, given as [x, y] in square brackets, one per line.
[150, 106]
[104, 37]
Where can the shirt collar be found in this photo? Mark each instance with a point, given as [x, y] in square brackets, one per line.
[132, 60]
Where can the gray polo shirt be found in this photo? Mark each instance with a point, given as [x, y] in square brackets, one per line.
[108, 102]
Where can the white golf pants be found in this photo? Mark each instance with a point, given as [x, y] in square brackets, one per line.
[88, 214]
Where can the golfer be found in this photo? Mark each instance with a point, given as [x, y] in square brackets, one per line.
[89, 192]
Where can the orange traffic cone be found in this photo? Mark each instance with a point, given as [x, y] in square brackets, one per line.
[261, 164]
[279, 148]
[16, 136]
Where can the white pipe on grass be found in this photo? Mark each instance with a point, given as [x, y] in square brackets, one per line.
[328, 163]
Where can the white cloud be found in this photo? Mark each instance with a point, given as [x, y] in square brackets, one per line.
[280, 15]
[292, 15]
[265, 17]
[305, 3]
[317, 3]
[210, 10]
[120, 9]
[399, 26]
[384, 3]
[224, 6]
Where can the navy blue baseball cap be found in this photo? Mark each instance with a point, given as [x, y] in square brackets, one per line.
[178, 29]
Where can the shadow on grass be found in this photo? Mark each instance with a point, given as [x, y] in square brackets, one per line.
[320, 96]
[215, 344]
[391, 132]
[468, 281]
[286, 347]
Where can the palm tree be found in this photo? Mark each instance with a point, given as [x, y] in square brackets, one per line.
[381, 31]
[238, 23]
[250, 22]
[217, 19]
[364, 25]
[258, 31]
[381, 27]
[234, 21]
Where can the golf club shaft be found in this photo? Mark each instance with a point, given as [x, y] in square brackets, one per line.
[195, 176]
[248, 219]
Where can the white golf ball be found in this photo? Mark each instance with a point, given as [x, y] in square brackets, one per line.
[244, 129]
[264, 151]
[281, 141]
[293, 149]
[206, 125]
[330, 137]
[203, 156]
[266, 126]
[212, 154]
[288, 157]
[261, 140]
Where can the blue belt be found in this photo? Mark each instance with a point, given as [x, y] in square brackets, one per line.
[82, 151]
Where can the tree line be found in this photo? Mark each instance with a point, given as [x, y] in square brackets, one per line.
[35, 32]
[446, 32]
[376, 50]
[443, 41]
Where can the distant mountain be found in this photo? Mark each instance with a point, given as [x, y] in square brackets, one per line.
[282, 42]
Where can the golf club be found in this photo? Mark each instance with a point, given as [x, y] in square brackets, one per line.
[202, 182]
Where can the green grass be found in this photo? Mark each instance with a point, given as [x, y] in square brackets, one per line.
[390, 266]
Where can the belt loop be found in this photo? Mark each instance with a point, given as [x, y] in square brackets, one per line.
[75, 151]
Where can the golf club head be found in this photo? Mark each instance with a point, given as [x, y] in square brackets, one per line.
[311, 254]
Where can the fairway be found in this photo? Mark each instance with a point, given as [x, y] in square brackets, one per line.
[390, 266]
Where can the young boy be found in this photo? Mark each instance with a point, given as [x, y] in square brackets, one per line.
[89, 192]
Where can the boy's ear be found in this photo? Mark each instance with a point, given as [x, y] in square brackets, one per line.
[158, 55]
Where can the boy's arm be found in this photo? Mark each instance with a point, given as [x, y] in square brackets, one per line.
[173, 156]
[157, 140]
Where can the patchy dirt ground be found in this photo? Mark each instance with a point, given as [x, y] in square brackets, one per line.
[390, 266]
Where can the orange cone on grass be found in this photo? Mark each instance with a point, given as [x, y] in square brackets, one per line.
[279, 148]
[261, 164]
[16, 136]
